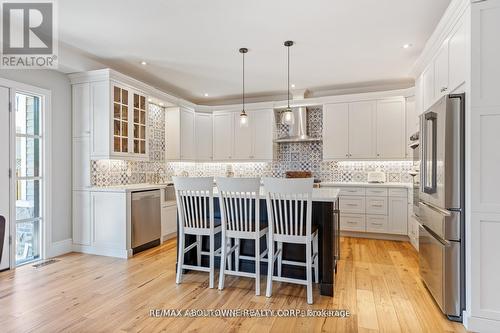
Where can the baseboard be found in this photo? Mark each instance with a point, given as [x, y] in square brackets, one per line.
[168, 236]
[59, 248]
[477, 324]
[100, 251]
[371, 235]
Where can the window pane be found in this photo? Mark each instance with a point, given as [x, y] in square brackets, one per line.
[27, 199]
[143, 102]
[116, 112]
[27, 241]
[116, 144]
[124, 113]
[124, 96]
[124, 145]
[27, 114]
[27, 157]
[116, 94]
[143, 147]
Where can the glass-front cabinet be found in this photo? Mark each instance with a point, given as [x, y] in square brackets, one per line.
[129, 122]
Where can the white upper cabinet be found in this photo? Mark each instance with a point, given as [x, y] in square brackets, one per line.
[428, 91]
[179, 134]
[441, 72]
[336, 131]
[419, 97]
[457, 56]
[262, 134]
[243, 137]
[412, 124]
[112, 114]
[204, 136]
[223, 125]
[362, 129]
[391, 126]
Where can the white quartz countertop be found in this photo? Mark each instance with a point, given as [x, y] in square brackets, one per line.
[327, 194]
[129, 188]
[364, 184]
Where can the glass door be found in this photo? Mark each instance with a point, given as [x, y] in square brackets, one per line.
[28, 178]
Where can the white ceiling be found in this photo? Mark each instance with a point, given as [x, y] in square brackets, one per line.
[191, 47]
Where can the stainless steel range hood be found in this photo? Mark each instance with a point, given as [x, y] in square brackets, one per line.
[298, 132]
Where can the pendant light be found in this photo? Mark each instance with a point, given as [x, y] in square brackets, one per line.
[287, 117]
[243, 114]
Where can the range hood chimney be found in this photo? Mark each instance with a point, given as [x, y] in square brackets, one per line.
[298, 131]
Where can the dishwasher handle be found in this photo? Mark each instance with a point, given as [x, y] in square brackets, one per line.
[150, 194]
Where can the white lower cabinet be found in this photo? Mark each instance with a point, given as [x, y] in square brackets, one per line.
[374, 210]
[168, 221]
[82, 230]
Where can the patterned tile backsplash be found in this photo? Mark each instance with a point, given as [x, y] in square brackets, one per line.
[288, 156]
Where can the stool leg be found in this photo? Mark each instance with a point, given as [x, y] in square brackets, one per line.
[257, 266]
[270, 266]
[211, 282]
[198, 249]
[280, 257]
[237, 254]
[309, 272]
[223, 258]
[316, 260]
[180, 259]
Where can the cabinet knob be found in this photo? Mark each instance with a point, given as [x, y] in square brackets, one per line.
[347, 155]
[443, 89]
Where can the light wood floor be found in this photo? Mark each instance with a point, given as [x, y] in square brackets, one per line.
[377, 282]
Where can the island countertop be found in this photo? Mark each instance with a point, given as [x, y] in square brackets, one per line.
[326, 194]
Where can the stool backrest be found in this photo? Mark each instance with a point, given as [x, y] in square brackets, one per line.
[239, 203]
[289, 205]
[195, 204]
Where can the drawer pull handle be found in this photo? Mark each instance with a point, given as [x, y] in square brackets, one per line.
[377, 223]
[377, 205]
[352, 205]
[351, 222]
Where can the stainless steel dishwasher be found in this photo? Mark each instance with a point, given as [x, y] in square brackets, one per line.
[146, 220]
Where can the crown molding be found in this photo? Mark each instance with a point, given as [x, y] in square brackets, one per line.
[444, 28]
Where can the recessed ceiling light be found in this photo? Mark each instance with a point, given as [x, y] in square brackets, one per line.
[407, 46]
[160, 104]
[150, 100]
[205, 94]
[293, 85]
[144, 63]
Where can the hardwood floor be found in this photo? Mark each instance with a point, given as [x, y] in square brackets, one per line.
[377, 282]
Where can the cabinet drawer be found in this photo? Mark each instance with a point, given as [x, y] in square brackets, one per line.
[347, 191]
[376, 223]
[352, 222]
[353, 204]
[376, 205]
[376, 192]
[398, 192]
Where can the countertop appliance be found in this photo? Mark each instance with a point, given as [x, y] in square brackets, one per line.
[442, 202]
[146, 220]
[376, 177]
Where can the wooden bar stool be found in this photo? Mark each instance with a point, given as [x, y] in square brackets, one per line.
[195, 207]
[289, 210]
[240, 213]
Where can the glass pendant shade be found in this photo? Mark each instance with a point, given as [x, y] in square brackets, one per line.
[243, 119]
[287, 117]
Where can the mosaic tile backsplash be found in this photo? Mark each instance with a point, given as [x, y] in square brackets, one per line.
[288, 156]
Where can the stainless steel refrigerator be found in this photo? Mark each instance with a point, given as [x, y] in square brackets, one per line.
[442, 202]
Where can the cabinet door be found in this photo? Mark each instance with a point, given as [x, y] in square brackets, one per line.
[411, 124]
[262, 134]
[168, 220]
[362, 130]
[138, 123]
[419, 95]
[441, 71]
[242, 148]
[223, 136]
[336, 131]
[391, 142]
[81, 110]
[203, 134]
[81, 163]
[120, 119]
[172, 134]
[398, 215]
[187, 134]
[457, 57]
[428, 86]
[81, 218]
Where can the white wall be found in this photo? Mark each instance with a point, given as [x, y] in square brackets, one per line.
[59, 84]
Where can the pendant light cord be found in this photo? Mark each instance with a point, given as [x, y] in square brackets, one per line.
[288, 86]
[243, 82]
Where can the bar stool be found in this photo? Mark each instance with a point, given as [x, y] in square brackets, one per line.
[289, 210]
[195, 208]
[240, 213]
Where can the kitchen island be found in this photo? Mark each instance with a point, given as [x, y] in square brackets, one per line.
[325, 215]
